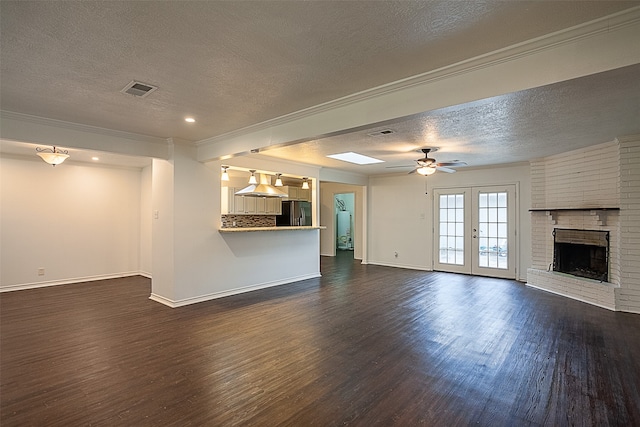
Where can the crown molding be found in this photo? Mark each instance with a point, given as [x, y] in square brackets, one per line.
[269, 164]
[70, 161]
[628, 138]
[530, 47]
[10, 115]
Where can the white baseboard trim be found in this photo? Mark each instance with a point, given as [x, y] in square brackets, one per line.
[35, 285]
[162, 300]
[573, 297]
[202, 298]
[145, 274]
[409, 267]
[333, 256]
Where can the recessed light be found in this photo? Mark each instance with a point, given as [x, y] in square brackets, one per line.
[190, 120]
[94, 158]
[356, 158]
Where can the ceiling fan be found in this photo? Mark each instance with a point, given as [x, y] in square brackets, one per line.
[428, 165]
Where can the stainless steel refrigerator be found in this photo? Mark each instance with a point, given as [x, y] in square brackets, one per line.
[294, 213]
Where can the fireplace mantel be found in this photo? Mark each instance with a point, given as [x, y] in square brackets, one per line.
[601, 213]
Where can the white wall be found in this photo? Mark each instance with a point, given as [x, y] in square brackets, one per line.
[146, 212]
[400, 217]
[162, 251]
[77, 221]
[193, 261]
[398, 221]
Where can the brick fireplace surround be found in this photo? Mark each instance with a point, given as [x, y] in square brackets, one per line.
[596, 188]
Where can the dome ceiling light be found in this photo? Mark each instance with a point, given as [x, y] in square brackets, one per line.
[53, 156]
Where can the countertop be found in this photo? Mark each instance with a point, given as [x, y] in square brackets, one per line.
[248, 229]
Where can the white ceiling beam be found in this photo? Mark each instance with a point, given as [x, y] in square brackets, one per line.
[40, 130]
[598, 46]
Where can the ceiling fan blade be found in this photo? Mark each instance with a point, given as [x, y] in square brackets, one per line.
[452, 164]
[447, 170]
[411, 171]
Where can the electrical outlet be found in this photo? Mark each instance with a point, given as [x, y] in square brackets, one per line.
[156, 214]
[41, 271]
[395, 254]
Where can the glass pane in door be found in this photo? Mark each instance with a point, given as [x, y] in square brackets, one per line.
[451, 247]
[492, 230]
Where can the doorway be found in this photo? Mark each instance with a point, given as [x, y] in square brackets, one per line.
[344, 211]
[475, 230]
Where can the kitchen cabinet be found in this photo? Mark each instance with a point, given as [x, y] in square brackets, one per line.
[273, 206]
[304, 194]
[293, 193]
[298, 193]
[261, 204]
[247, 205]
[226, 200]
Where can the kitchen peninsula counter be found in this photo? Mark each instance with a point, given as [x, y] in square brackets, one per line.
[274, 228]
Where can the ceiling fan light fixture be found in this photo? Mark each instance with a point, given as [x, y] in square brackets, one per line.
[426, 170]
[53, 156]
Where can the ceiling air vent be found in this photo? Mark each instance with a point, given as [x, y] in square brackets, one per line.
[139, 89]
[382, 132]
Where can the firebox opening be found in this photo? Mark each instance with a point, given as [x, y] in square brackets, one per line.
[582, 253]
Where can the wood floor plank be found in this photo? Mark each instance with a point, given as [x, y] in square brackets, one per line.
[362, 345]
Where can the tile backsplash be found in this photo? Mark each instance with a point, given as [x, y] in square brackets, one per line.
[245, 221]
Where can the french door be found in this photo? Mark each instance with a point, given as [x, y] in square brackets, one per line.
[475, 230]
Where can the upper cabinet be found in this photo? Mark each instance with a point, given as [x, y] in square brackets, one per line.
[248, 205]
[297, 193]
[254, 204]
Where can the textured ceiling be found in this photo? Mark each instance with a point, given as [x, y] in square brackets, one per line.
[505, 129]
[237, 63]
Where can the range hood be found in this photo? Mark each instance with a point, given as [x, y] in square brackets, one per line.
[264, 189]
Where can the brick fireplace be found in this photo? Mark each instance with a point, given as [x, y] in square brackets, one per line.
[569, 193]
[581, 253]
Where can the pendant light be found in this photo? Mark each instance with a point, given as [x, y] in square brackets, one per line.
[53, 156]
[225, 175]
[278, 180]
[252, 179]
[305, 183]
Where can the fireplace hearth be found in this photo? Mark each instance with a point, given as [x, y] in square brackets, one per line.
[582, 253]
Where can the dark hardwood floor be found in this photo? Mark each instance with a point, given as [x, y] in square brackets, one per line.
[362, 346]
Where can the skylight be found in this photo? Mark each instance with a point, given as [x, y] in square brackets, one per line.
[358, 159]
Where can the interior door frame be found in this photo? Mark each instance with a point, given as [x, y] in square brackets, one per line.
[470, 217]
[353, 221]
